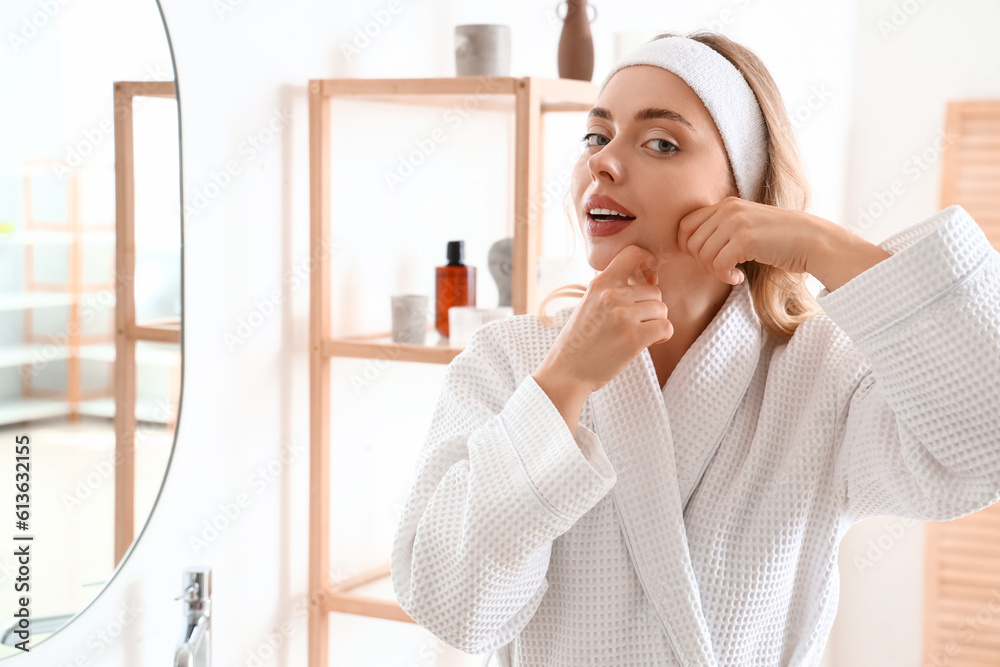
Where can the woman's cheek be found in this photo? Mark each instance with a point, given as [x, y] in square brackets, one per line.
[661, 227]
[578, 181]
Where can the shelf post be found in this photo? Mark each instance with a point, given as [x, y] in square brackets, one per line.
[527, 213]
[124, 385]
[319, 375]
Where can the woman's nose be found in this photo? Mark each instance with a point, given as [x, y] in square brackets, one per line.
[605, 163]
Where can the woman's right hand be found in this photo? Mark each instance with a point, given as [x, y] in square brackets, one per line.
[621, 313]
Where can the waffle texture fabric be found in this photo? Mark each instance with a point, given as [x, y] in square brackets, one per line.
[698, 524]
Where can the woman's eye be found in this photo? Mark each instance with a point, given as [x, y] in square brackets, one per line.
[667, 147]
[672, 149]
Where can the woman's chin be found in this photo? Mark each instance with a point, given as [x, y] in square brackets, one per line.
[599, 257]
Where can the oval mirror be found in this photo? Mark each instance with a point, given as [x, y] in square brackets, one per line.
[90, 298]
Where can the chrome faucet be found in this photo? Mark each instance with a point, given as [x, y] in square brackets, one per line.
[195, 646]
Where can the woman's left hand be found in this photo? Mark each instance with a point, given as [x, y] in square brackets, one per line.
[736, 230]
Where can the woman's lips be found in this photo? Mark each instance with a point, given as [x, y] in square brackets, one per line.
[605, 228]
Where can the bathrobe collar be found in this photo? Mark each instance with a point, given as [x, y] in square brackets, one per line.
[660, 459]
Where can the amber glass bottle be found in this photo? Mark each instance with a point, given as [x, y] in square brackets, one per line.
[456, 285]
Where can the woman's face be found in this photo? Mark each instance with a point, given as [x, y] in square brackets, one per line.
[658, 167]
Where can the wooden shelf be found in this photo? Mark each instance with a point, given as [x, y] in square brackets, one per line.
[41, 299]
[374, 600]
[381, 346]
[528, 99]
[56, 237]
[12, 356]
[493, 93]
[147, 410]
[158, 331]
[13, 411]
[144, 356]
[28, 353]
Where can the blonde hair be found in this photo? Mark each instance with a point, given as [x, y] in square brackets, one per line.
[781, 299]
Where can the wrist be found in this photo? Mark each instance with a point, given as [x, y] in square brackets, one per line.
[557, 383]
[838, 254]
[563, 389]
[562, 394]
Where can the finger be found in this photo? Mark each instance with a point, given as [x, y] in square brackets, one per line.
[696, 242]
[691, 222]
[627, 262]
[708, 255]
[646, 311]
[656, 331]
[645, 293]
[644, 276]
[726, 260]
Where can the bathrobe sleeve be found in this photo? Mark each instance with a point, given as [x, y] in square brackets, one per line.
[921, 437]
[498, 478]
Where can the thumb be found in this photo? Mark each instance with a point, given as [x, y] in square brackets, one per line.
[633, 262]
[644, 276]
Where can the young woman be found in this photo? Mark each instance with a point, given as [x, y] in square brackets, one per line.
[662, 474]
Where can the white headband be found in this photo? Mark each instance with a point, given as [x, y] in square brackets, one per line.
[724, 92]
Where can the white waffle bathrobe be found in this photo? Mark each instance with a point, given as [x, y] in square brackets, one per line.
[699, 525]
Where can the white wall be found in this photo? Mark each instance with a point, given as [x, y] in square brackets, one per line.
[909, 62]
[245, 406]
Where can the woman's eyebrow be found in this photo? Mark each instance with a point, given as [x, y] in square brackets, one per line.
[649, 113]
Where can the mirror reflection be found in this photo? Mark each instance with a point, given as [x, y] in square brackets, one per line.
[90, 300]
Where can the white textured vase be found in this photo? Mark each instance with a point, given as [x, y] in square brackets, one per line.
[482, 49]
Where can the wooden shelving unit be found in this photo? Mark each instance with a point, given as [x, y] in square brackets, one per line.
[529, 99]
[127, 331]
[73, 293]
[120, 400]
